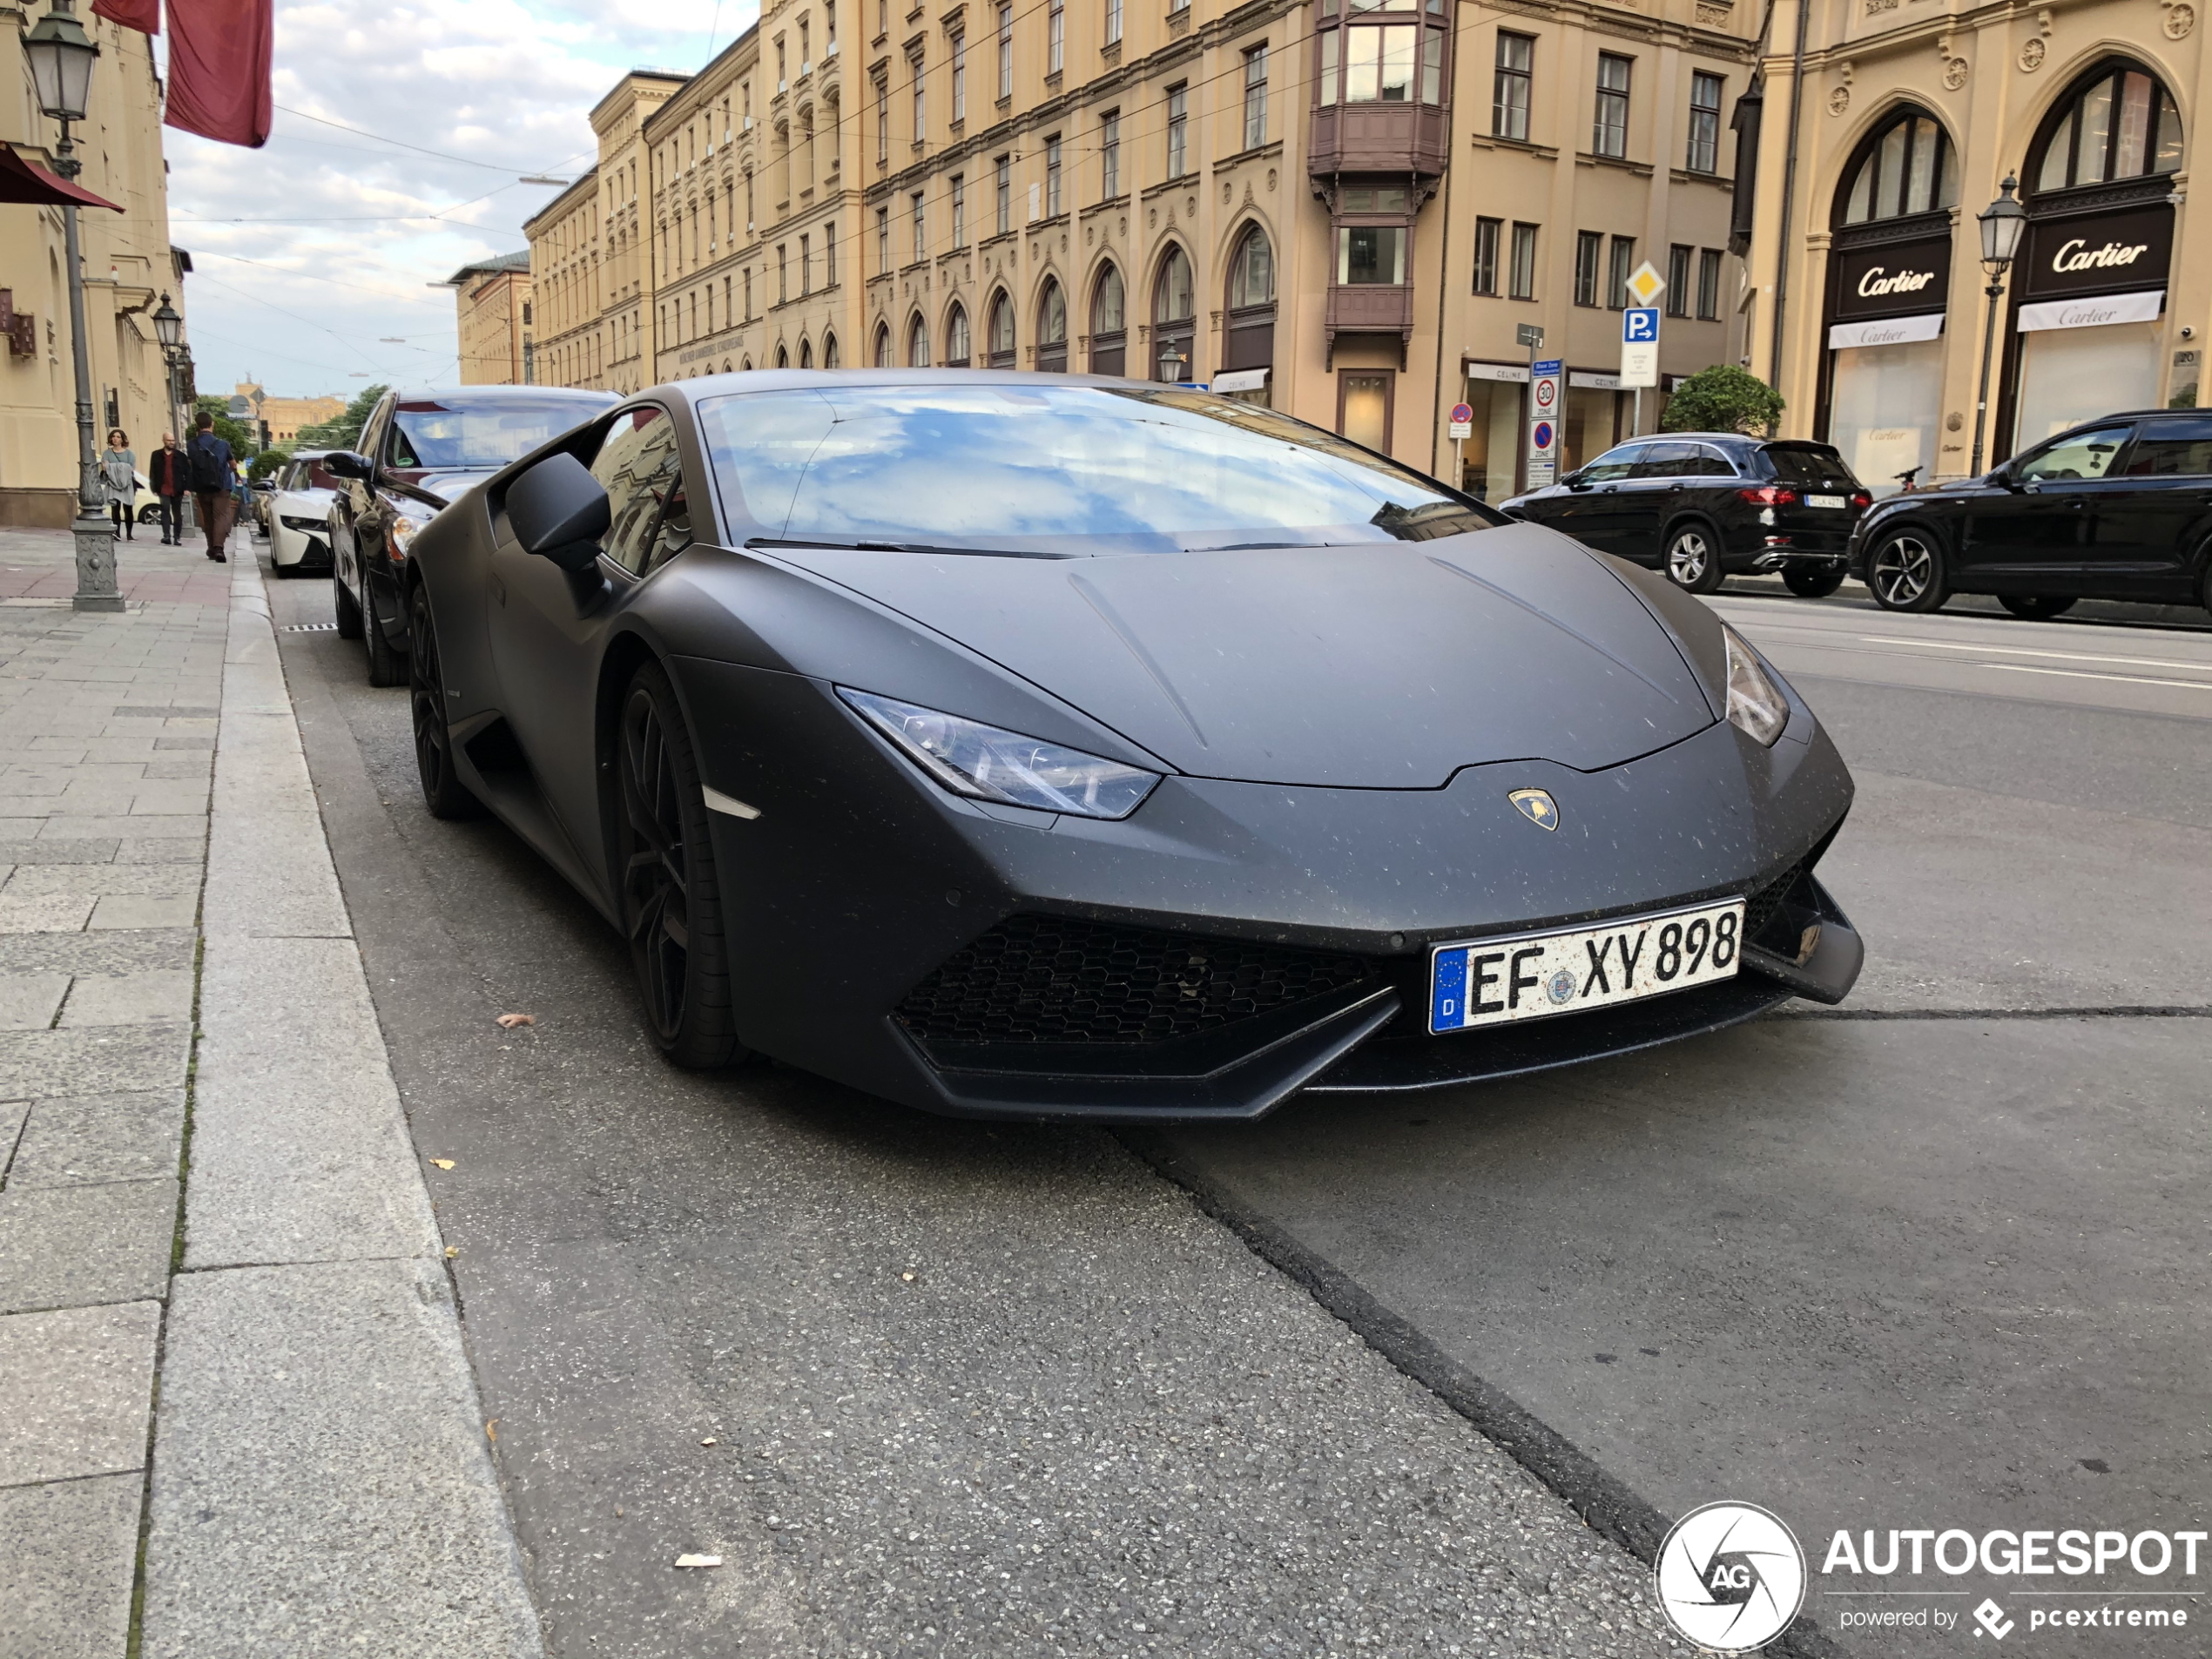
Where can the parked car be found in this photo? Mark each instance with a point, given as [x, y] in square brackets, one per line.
[145, 506]
[1704, 505]
[418, 451]
[1014, 745]
[2119, 508]
[299, 495]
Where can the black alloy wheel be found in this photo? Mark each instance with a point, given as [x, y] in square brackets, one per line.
[387, 666]
[349, 613]
[1693, 557]
[672, 898]
[2036, 607]
[443, 791]
[1906, 573]
[1812, 580]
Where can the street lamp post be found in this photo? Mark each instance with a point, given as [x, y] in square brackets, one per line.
[1172, 363]
[169, 329]
[62, 56]
[2002, 224]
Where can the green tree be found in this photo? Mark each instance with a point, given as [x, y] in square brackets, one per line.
[234, 433]
[343, 431]
[271, 460]
[1723, 399]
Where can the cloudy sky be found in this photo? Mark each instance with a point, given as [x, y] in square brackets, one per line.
[312, 252]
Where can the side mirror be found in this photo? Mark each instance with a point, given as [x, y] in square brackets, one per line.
[1575, 479]
[345, 463]
[559, 512]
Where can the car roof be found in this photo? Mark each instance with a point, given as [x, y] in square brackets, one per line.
[774, 380]
[501, 394]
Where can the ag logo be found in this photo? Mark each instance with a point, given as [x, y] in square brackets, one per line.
[1731, 1577]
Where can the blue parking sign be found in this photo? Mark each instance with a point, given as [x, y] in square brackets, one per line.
[1640, 324]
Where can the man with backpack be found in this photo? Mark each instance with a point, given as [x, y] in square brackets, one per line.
[210, 466]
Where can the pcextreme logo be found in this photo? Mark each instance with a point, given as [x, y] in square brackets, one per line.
[1731, 1577]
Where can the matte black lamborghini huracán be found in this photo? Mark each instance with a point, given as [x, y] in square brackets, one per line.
[1030, 746]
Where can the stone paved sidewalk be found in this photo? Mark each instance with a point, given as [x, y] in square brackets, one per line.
[107, 735]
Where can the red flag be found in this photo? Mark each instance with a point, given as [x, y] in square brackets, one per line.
[144, 16]
[219, 69]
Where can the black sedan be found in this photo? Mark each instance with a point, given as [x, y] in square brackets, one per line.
[1705, 505]
[1032, 745]
[2120, 508]
[418, 450]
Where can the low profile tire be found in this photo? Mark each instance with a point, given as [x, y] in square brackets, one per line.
[349, 613]
[1693, 560]
[386, 665]
[2035, 607]
[671, 892]
[443, 791]
[1906, 573]
[1814, 581]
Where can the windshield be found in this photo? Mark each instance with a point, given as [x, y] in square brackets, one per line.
[1820, 469]
[441, 433]
[1056, 469]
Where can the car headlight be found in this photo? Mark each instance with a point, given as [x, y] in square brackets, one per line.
[1755, 706]
[402, 532]
[985, 762]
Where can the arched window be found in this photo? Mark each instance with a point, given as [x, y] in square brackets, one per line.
[883, 344]
[829, 351]
[1052, 329]
[2119, 123]
[917, 344]
[1173, 305]
[746, 367]
[956, 343]
[1000, 337]
[807, 354]
[1905, 167]
[1108, 326]
[725, 366]
[783, 358]
[1248, 339]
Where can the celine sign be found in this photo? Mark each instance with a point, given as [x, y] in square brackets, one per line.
[2120, 252]
[1892, 279]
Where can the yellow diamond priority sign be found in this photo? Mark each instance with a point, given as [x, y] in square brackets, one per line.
[1647, 285]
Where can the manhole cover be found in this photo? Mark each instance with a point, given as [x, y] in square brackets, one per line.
[311, 627]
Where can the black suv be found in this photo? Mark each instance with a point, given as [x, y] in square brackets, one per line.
[418, 451]
[2120, 508]
[1702, 505]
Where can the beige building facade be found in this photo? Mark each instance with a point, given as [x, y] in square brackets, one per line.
[1868, 293]
[496, 321]
[129, 265]
[1345, 211]
[284, 416]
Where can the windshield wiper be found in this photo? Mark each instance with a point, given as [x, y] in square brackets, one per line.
[901, 547]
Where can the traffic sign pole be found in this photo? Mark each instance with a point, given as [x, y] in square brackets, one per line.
[1640, 336]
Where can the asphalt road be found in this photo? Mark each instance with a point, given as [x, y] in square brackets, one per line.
[1932, 1260]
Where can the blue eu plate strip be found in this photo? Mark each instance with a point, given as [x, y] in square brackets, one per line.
[1448, 991]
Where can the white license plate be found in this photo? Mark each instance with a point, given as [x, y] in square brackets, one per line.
[1495, 982]
[1824, 500]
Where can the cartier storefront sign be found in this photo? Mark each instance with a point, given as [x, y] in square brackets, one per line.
[2112, 253]
[1892, 280]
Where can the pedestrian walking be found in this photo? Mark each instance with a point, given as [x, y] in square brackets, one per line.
[165, 472]
[246, 499]
[211, 479]
[119, 475]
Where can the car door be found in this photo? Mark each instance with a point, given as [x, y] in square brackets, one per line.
[1591, 509]
[2038, 533]
[350, 500]
[1644, 502]
[546, 623]
[2157, 513]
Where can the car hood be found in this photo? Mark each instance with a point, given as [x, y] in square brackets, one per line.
[439, 489]
[1385, 666]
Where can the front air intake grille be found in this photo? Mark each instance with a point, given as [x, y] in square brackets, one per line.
[1048, 980]
[1761, 908]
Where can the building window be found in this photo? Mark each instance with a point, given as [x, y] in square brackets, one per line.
[1520, 278]
[1179, 129]
[882, 242]
[748, 204]
[959, 75]
[1055, 36]
[1486, 233]
[956, 345]
[1052, 330]
[917, 345]
[748, 294]
[1909, 167]
[1589, 248]
[1174, 307]
[882, 121]
[1052, 176]
[1110, 155]
[1708, 285]
[1256, 98]
[783, 282]
[1510, 87]
[783, 81]
[829, 255]
[959, 211]
[883, 346]
[1369, 255]
[1609, 132]
[1002, 171]
[1678, 280]
[1006, 51]
[922, 227]
[1113, 23]
[1330, 42]
[1379, 64]
[2122, 124]
[805, 274]
[1001, 338]
[1108, 334]
[1617, 274]
[921, 112]
[1705, 122]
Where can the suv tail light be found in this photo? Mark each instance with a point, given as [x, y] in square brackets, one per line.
[1862, 499]
[1769, 496]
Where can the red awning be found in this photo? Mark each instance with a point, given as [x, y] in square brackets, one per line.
[21, 182]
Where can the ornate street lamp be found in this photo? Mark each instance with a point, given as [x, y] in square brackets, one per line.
[1172, 363]
[2003, 223]
[62, 56]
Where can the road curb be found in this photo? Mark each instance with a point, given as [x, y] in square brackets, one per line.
[320, 1478]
